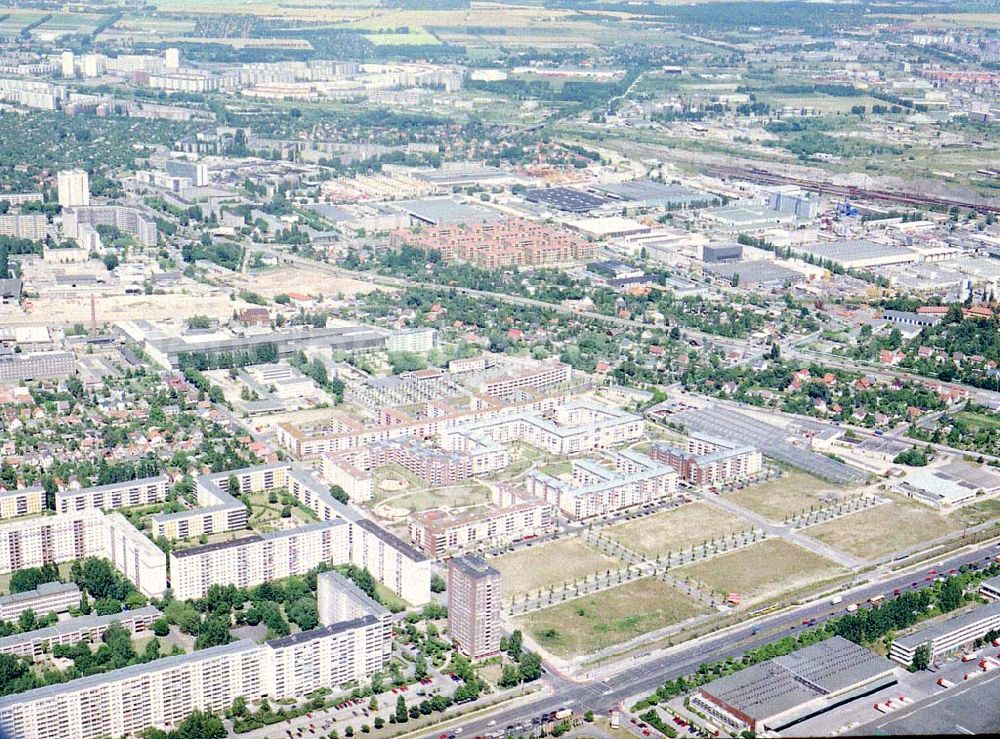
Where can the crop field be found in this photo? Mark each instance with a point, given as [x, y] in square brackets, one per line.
[72, 22]
[784, 496]
[17, 19]
[672, 531]
[538, 567]
[762, 570]
[883, 530]
[414, 37]
[586, 625]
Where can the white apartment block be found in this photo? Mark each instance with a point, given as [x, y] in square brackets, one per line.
[354, 642]
[393, 562]
[218, 511]
[34, 542]
[21, 502]
[145, 491]
[596, 490]
[74, 630]
[412, 340]
[130, 220]
[543, 378]
[258, 558]
[74, 188]
[49, 597]
[575, 427]
[338, 600]
[33, 226]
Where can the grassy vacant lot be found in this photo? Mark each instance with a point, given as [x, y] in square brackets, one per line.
[784, 496]
[761, 570]
[613, 616]
[979, 421]
[883, 529]
[415, 37]
[976, 513]
[672, 531]
[554, 563]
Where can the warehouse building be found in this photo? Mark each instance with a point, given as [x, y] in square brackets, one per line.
[859, 253]
[784, 691]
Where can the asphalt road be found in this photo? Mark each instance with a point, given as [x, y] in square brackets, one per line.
[641, 677]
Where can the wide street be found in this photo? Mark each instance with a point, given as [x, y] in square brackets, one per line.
[621, 683]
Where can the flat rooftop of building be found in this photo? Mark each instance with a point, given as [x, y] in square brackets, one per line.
[756, 272]
[392, 540]
[852, 250]
[90, 682]
[939, 629]
[607, 225]
[474, 566]
[566, 199]
[448, 212]
[42, 591]
[463, 174]
[651, 192]
[781, 685]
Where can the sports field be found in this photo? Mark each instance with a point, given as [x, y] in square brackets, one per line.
[538, 567]
[883, 529]
[674, 530]
[762, 570]
[613, 616]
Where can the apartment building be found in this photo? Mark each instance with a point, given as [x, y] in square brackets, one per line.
[218, 510]
[311, 442]
[543, 378]
[393, 562]
[258, 558]
[412, 340]
[575, 427]
[33, 226]
[352, 470]
[438, 534]
[21, 502]
[513, 242]
[130, 220]
[145, 491]
[596, 490]
[49, 597]
[339, 600]
[74, 630]
[74, 188]
[474, 607]
[34, 542]
[51, 365]
[164, 692]
[709, 460]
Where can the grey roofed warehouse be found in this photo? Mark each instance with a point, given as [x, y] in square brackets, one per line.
[789, 689]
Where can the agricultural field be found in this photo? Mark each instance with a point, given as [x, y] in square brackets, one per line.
[882, 530]
[538, 567]
[674, 530]
[785, 496]
[413, 37]
[66, 23]
[762, 570]
[594, 622]
[16, 19]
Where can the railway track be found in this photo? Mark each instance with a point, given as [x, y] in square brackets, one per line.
[755, 174]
